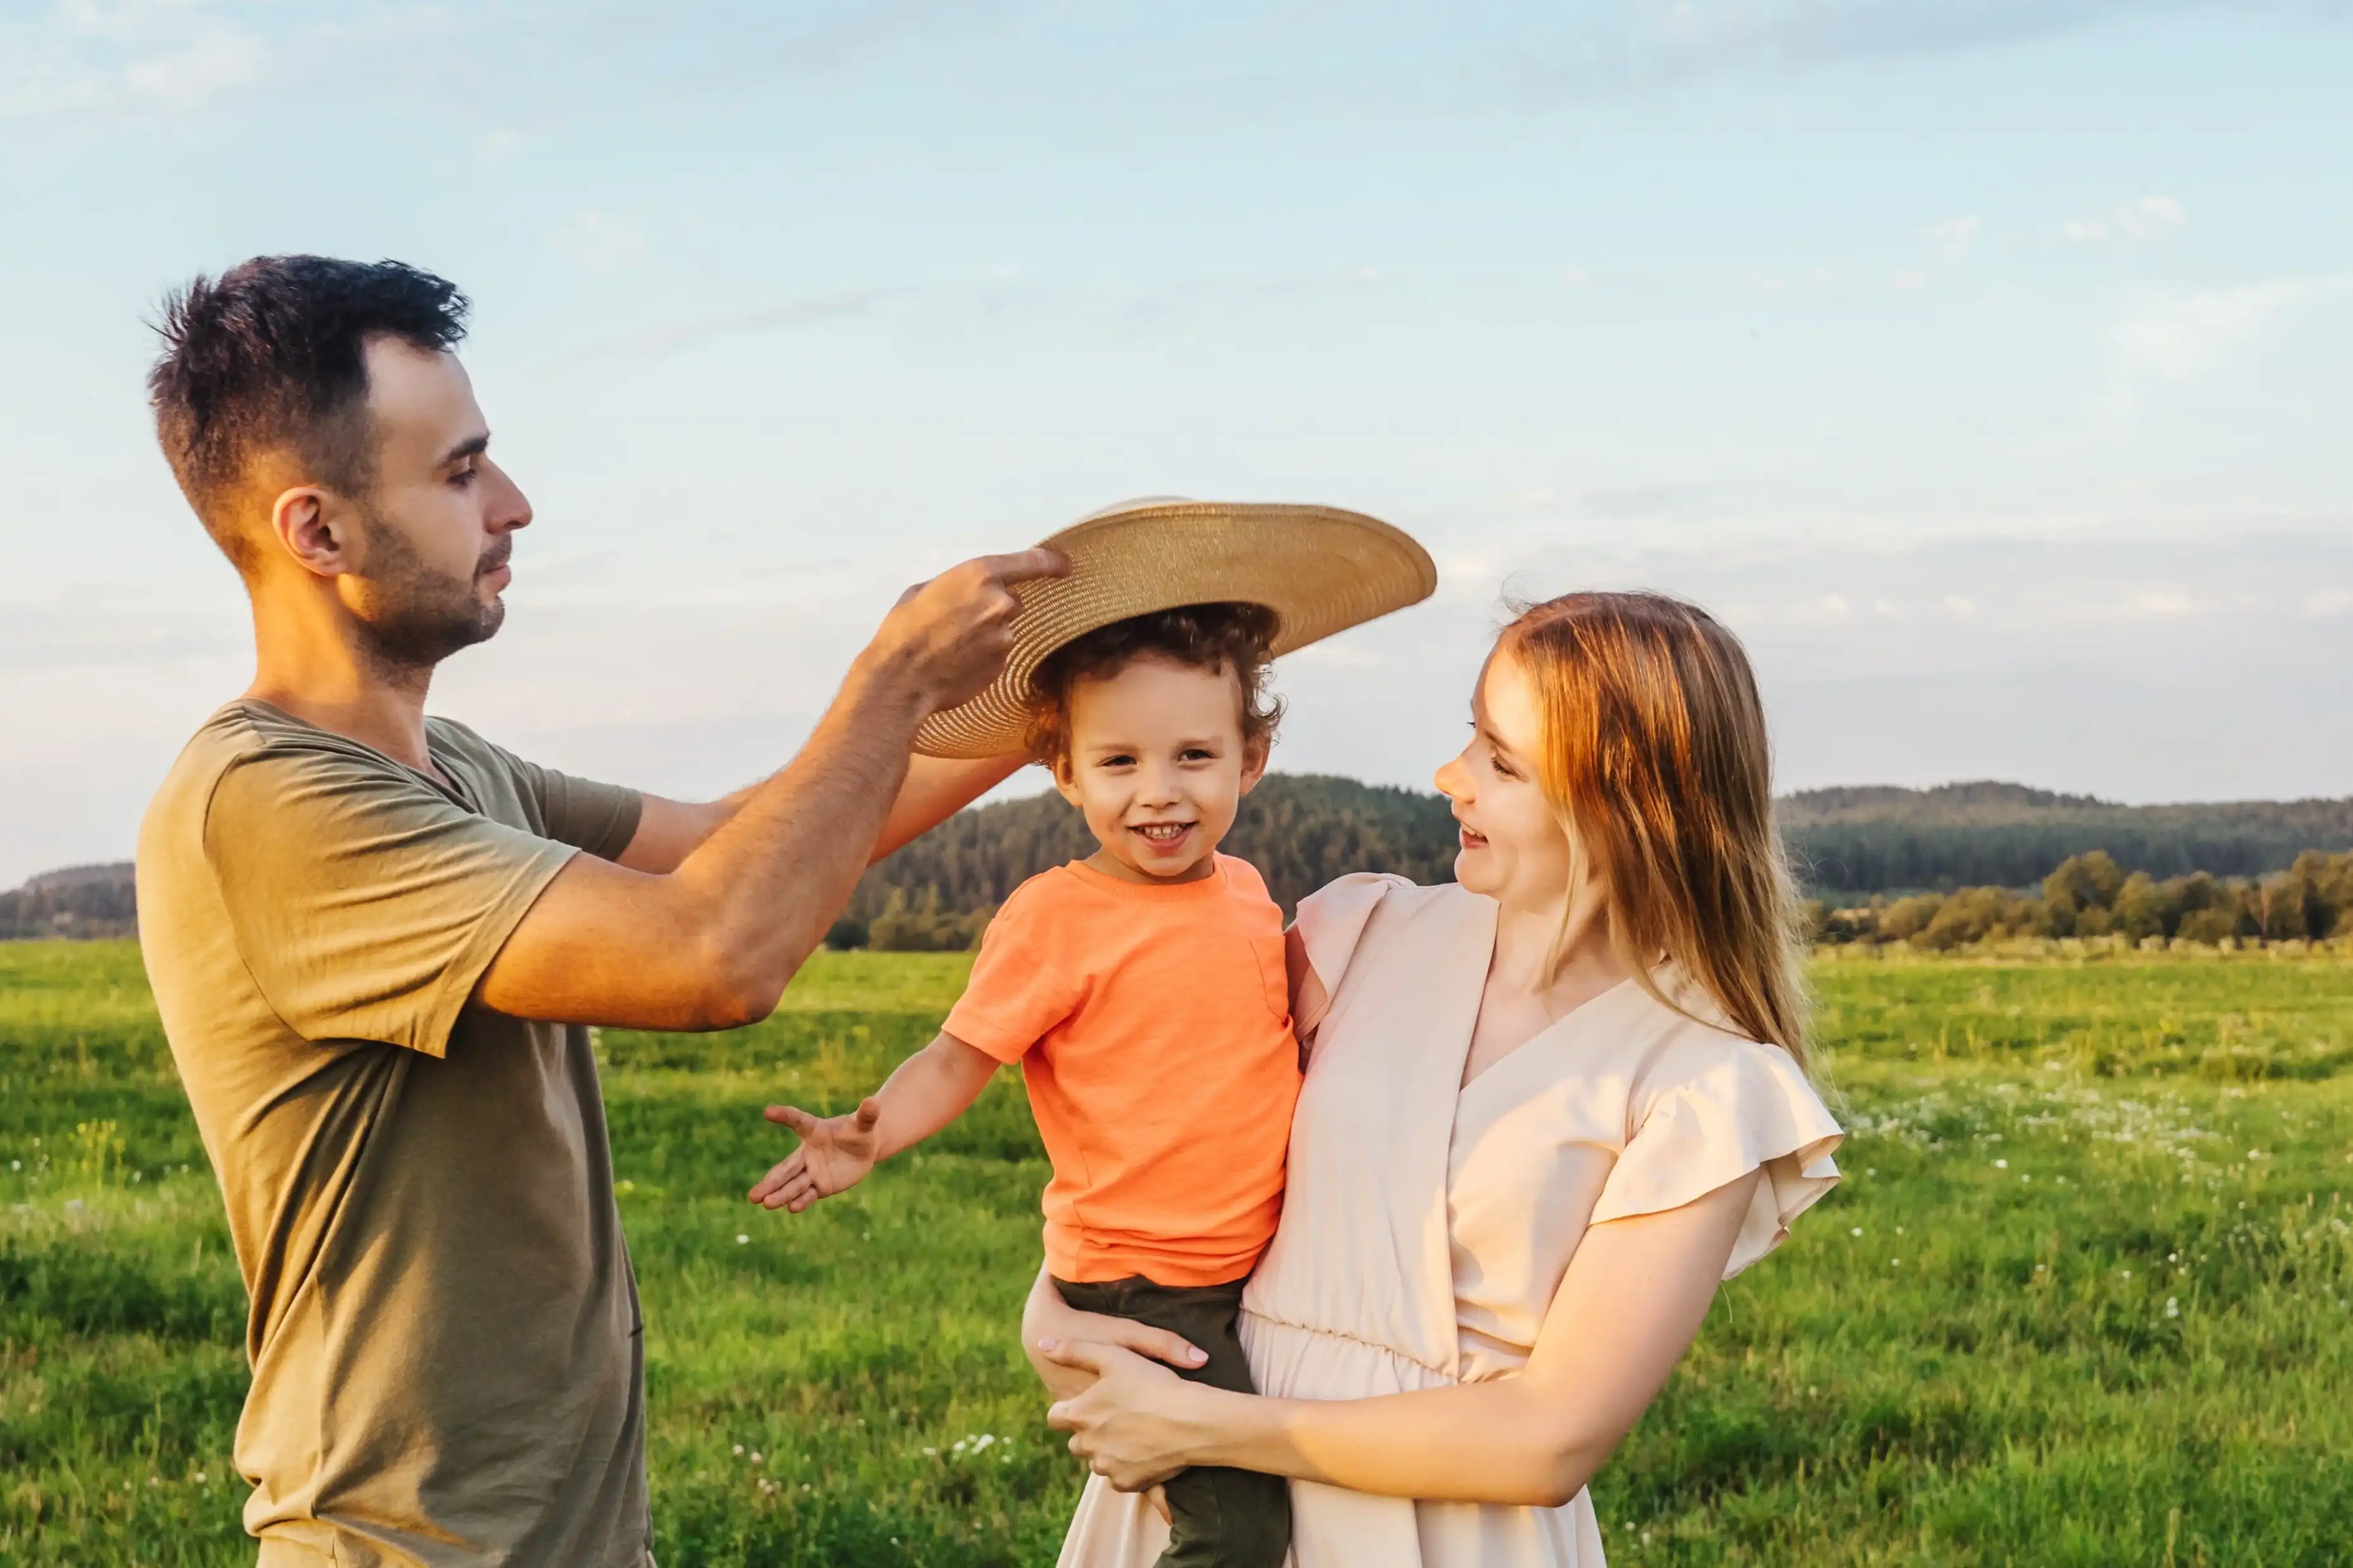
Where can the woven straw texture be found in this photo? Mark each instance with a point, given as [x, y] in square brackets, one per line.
[1319, 569]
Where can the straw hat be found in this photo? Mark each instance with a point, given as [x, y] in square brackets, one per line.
[1319, 569]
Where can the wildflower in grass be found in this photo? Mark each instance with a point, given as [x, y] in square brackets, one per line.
[2172, 1308]
[1856, 1231]
[739, 1447]
[742, 1240]
[2001, 1164]
[757, 1460]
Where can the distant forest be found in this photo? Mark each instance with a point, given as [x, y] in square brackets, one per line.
[1303, 830]
[78, 901]
[2091, 896]
[1851, 843]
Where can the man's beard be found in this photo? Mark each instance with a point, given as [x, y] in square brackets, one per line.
[419, 617]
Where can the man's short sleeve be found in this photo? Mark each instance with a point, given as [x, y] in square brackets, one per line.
[598, 818]
[365, 904]
[1022, 986]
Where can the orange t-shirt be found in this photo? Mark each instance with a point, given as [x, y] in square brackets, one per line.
[1152, 1026]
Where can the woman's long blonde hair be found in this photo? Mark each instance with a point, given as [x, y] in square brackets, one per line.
[1655, 759]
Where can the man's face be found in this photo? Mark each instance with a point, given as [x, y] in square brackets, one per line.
[435, 531]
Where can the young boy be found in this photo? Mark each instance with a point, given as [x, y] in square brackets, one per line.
[1143, 991]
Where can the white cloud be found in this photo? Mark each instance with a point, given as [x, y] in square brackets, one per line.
[604, 242]
[2329, 602]
[2145, 217]
[810, 311]
[2185, 337]
[87, 57]
[2150, 217]
[1953, 235]
[1910, 280]
[2159, 603]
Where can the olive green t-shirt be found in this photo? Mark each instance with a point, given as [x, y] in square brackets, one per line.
[446, 1352]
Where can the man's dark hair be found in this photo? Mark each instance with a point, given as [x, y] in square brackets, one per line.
[271, 356]
[1218, 637]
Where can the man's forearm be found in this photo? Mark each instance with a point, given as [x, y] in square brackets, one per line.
[768, 882]
[936, 788]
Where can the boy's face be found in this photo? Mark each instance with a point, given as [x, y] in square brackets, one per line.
[1158, 766]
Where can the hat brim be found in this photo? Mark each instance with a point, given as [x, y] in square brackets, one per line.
[1319, 569]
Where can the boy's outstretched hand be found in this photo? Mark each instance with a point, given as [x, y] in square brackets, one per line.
[835, 1155]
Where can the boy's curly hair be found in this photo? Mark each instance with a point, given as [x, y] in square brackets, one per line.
[1217, 637]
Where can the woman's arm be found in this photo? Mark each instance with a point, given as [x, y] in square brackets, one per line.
[1046, 1318]
[1309, 1000]
[1627, 1309]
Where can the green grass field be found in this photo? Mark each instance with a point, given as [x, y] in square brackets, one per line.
[2086, 1297]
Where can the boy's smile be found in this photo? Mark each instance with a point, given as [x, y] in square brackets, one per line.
[1158, 765]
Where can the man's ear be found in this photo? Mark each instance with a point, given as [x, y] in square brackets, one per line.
[313, 526]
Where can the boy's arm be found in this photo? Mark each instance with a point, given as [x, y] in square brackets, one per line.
[930, 1089]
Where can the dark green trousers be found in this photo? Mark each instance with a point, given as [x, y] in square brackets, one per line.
[1218, 1518]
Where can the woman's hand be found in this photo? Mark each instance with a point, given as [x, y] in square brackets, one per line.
[1047, 1318]
[1132, 1421]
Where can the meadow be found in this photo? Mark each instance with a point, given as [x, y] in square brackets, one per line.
[2086, 1297]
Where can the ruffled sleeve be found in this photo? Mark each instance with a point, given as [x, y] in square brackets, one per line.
[1331, 918]
[1729, 1109]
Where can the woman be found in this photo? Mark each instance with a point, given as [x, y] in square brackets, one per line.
[1548, 1109]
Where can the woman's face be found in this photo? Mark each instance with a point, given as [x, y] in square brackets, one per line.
[1513, 850]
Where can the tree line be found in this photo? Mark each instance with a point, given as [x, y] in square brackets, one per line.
[78, 901]
[2089, 895]
[1870, 849]
[1852, 843]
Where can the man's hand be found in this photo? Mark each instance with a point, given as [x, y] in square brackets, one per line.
[835, 1155]
[950, 635]
[706, 937]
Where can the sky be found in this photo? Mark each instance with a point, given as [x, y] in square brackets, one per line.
[1985, 364]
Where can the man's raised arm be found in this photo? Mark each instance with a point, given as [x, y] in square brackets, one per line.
[711, 944]
[934, 789]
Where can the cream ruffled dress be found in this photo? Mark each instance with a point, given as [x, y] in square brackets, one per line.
[1427, 1224]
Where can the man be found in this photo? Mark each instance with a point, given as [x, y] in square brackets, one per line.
[376, 939]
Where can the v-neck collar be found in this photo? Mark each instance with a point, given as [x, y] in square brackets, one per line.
[1486, 962]
[442, 779]
[1544, 1039]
